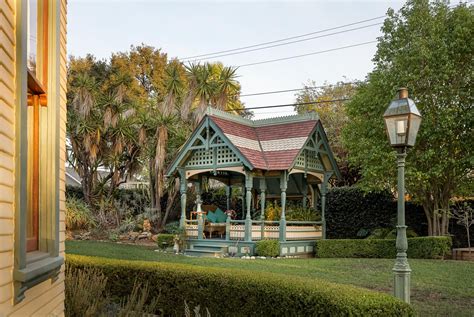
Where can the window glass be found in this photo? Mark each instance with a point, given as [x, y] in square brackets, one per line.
[32, 45]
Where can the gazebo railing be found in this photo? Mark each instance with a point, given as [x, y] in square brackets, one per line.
[259, 230]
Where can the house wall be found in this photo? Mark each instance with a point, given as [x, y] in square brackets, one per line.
[46, 298]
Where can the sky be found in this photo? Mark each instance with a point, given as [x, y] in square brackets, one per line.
[188, 28]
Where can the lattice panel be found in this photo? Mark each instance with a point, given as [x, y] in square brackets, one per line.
[200, 158]
[313, 162]
[206, 158]
[226, 156]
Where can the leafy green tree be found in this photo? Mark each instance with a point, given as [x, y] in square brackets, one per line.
[427, 47]
[330, 104]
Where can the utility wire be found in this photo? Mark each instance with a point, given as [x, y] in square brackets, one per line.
[307, 54]
[281, 44]
[290, 104]
[282, 40]
[297, 89]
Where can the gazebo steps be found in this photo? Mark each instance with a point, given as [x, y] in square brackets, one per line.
[210, 250]
[204, 253]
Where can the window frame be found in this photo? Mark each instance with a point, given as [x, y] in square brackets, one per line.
[32, 268]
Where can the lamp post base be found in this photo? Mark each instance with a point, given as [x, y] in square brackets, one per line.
[401, 280]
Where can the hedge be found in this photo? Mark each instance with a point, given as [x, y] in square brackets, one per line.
[351, 213]
[165, 240]
[418, 248]
[270, 248]
[226, 292]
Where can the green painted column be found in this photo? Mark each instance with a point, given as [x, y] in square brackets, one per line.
[263, 188]
[305, 192]
[243, 199]
[182, 188]
[197, 186]
[248, 200]
[228, 193]
[324, 188]
[283, 187]
[401, 269]
[315, 197]
[227, 229]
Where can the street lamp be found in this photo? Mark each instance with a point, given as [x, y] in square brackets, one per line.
[402, 121]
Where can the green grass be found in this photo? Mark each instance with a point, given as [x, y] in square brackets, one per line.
[439, 288]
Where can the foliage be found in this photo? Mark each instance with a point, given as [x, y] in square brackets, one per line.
[419, 248]
[427, 47]
[389, 233]
[196, 311]
[352, 213]
[165, 240]
[87, 295]
[268, 248]
[283, 295]
[272, 211]
[78, 215]
[101, 127]
[172, 227]
[302, 214]
[334, 118]
[85, 292]
[464, 216]
[441, 286]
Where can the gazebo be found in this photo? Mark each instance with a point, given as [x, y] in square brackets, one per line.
[284, 157]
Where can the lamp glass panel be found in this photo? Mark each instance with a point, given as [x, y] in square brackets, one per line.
[397, 129]
[415, 122]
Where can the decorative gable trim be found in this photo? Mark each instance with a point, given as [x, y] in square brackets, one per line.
[207, 146]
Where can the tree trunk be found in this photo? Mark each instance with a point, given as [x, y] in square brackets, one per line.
[160, 157]
[169, 204]
[151, 175]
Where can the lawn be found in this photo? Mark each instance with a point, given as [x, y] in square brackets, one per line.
[439, 288]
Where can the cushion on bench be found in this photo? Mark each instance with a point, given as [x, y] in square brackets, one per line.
[220, 215]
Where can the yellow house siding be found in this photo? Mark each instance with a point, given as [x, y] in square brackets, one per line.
[7, 151]
[46, 298]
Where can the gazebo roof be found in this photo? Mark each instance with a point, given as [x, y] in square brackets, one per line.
[265, 144]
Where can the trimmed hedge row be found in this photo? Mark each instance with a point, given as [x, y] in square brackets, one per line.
[228, 292]
[418, 248]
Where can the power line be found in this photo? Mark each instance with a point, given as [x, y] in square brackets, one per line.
[291, 104]
[281, 44]
[307, 54]
[284, 39]
[297, 89]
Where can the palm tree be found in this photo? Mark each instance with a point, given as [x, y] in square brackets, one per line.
[167, 116]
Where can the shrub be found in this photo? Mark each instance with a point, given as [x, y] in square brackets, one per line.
[270, 248]
[389, 233]
[87, 295]
[172, 227]
[418, 248]
[85, 292]
[165, 240]
[227, 292]
[303, 214]
[78, 215]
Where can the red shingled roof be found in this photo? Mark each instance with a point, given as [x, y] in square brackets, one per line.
[269, 154]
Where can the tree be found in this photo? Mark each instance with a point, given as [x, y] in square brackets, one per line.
[427, 47]
[334, 118]
[464, 216]
[211, 85]
[100, 126]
